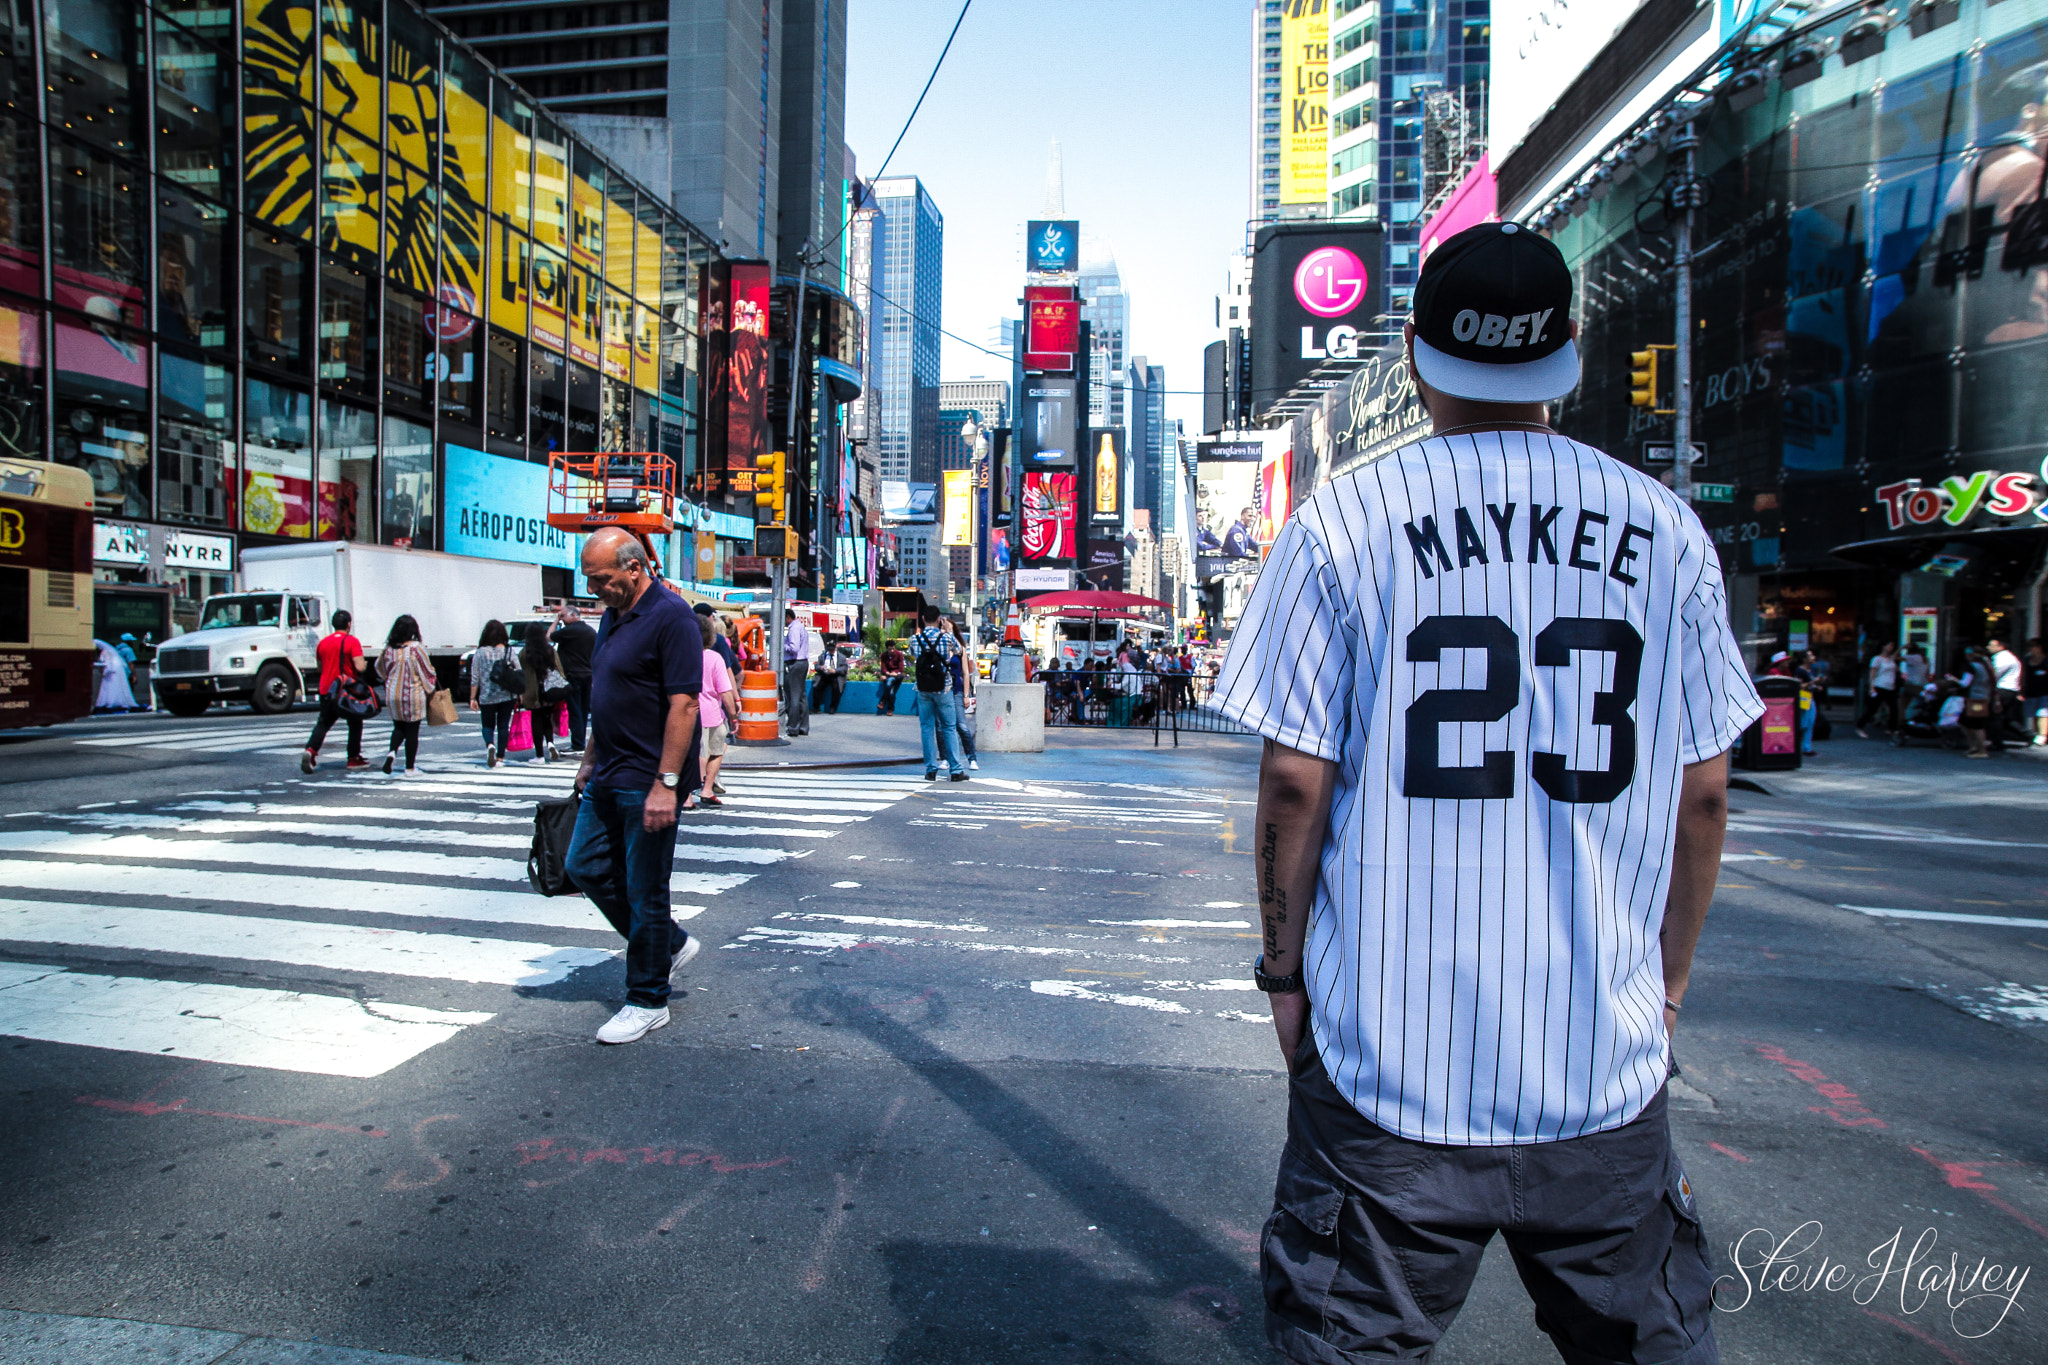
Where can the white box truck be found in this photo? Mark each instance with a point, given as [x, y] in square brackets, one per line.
[257, 645]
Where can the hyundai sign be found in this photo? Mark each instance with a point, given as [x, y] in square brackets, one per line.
[1052, 247]
[1318, 289]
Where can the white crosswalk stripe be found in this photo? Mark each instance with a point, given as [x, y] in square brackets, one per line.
[398, 882]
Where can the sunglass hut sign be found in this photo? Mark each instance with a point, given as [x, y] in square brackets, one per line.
[1959, 498]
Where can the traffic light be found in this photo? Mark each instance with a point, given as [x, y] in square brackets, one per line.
[771, 486]
[1642, 378]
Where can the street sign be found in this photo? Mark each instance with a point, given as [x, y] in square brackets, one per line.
[1661, 454]
[1713, 492]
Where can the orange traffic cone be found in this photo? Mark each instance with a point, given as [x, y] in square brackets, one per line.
[1013, 629]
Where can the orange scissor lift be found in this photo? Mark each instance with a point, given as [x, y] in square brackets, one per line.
[634, 490]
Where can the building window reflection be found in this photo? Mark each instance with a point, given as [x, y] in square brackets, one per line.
[195, 439]
[405, 503]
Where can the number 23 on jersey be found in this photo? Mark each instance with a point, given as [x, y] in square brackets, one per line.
[1426, 778]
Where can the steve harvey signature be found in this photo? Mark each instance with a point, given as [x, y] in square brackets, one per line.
[1975, 1296]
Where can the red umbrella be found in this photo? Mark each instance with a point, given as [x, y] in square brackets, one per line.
[1092, 599]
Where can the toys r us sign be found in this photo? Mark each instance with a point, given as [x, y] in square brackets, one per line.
[1959, 497]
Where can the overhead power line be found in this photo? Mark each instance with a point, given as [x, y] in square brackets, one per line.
[906, 122]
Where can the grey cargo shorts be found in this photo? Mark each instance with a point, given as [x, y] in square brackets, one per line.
[1374, 1239]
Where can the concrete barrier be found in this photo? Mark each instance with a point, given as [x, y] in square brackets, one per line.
[1010, 718]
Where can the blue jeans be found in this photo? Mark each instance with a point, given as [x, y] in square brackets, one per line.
[885, 702]
[938, 719]
[579, 710]
[624, 870]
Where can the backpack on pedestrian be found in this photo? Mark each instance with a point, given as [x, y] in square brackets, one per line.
[932, 673]
[506, 675]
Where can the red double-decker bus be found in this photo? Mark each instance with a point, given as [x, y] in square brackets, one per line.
[46, 648]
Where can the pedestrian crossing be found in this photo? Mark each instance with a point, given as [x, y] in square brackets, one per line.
[285, 735]
[387, 886]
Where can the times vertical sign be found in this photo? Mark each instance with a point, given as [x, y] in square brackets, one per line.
[1305, 45]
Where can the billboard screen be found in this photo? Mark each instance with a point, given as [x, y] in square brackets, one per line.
[1106, 479]
[1049, 533]
[1318, 289]
[1052, 327]
[1052, 247]
[1305, 65]
[494, 509]
[1547, 45]
[959, 515]
[1049, 422]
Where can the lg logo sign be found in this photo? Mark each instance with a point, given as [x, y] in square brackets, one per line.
[1330, 282]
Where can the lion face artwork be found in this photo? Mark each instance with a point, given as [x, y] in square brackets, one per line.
[370, 202]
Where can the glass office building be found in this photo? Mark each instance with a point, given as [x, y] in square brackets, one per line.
[1871, 315]
[288, 270]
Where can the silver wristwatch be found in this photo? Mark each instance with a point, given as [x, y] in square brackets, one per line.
[671, 780]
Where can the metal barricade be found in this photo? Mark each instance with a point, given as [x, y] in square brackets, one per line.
[1164, 703]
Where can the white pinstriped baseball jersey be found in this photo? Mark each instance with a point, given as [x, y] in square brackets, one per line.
[1511, 646]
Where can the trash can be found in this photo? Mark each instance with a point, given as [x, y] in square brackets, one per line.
[1771, 743]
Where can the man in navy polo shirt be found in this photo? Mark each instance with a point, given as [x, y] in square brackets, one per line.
[646, 671]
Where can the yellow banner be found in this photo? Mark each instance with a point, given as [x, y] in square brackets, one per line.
[646, 350]
[586, 223]
[618, 248]
[1305, 65]
[551, 194]
[511, 174]
[550, 298]
[583, 322]
[509, 264]
[647, 265]
[618, 338]
[959, 527]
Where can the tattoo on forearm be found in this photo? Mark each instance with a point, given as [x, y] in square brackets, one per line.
[1272, 896]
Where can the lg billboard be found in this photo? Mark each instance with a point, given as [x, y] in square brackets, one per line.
[1318, 290]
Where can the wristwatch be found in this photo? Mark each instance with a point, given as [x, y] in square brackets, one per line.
[671, 780]
[1291, 984]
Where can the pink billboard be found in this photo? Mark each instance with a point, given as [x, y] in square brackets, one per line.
[1474, 201]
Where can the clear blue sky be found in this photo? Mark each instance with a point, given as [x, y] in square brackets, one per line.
[1148, 100]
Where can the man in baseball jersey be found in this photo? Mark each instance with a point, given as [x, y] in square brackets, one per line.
[1497, 684]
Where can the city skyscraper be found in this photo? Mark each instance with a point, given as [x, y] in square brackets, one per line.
[962, 400]
[1408, 83]
[1107, 311]
[899, 234]
[736, 111]
[1151, 444]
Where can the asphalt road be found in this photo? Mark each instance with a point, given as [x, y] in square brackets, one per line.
[966, 1073]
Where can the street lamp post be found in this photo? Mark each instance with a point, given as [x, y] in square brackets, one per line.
[975, 434]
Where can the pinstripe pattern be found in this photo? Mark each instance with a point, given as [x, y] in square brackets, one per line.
[1485, 970]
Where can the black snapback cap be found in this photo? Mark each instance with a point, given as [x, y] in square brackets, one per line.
[1492, 317]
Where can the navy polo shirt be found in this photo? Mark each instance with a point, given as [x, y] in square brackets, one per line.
[644, 656]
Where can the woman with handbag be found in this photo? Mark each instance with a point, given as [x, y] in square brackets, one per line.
[1978, 695]
[495, 683]
[341, 664]
[408, 677]
[545, 689]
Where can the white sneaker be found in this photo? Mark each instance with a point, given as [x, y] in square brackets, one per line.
[691, 943]
[536, 763]
[554, 754]
[632, 1024]
[975, 764]
[490, 755]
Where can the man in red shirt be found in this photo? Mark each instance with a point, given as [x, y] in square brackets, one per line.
[341, 656]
